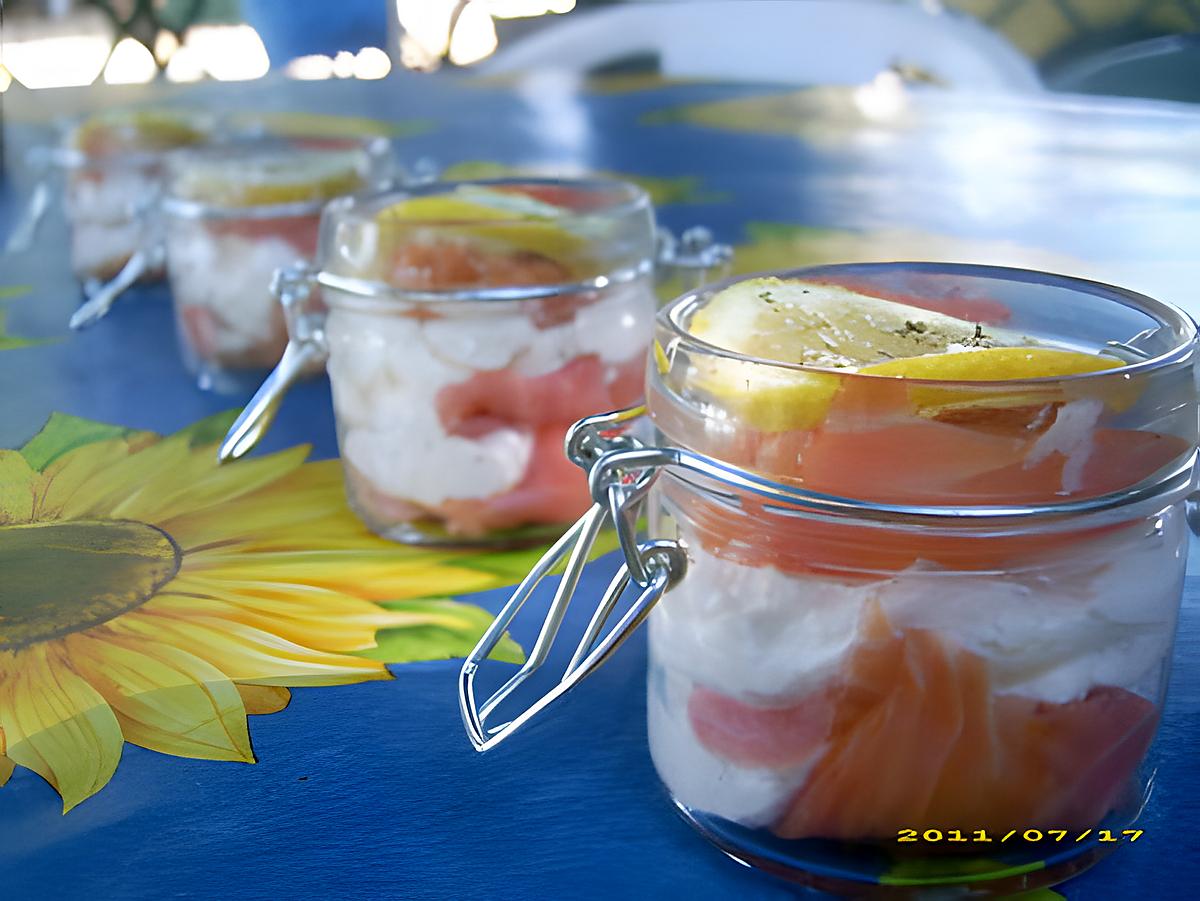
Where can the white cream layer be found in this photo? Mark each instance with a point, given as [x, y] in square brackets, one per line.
[1104, 614]
[230, 275]
[386, 372]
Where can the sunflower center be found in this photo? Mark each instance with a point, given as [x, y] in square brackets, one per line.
[63, 577]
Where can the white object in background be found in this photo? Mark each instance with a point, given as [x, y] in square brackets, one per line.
[801, 42]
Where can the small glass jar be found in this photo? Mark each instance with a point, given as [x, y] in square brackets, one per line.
[235, 214]
[915, 632]
[469, 325]
[112, 166]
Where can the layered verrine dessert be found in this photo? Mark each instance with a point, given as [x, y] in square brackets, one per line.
[469, 326]
[113, 164]
[236, 214]
[965, 631]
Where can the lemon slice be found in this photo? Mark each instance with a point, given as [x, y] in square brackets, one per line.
[814, 324]
[831, 327]
[136, 131]
[995, 364]
[519, 221]
[270, 178]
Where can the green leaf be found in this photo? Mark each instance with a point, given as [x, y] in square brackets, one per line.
[950, 871]
[662, 191]
[477, 169]
[774, 113]
[63, 433]
[441, 629]
[8, 342]
[514, 565]
[321, 124]
[210, 429]
[12, 342]
[7, 291]
[775, 231]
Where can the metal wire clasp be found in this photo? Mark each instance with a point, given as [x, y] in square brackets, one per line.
[696, 257]
[620, 472]
[293, 286]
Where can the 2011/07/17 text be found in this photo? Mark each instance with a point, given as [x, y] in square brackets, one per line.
[1029, 835]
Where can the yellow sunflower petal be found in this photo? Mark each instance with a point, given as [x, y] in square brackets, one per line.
[165, 699]
[260, 699]
[308, 615]
[313, 491]
[6, 770]
[56, 724]
[386, 575]
[84, 464]
[202, 483]
[124, 479]
[20, 488]
[247, 654]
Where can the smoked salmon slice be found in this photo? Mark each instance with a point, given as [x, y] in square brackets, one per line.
[921, 463]
[581, 387]
[551, 491]
[911, 737]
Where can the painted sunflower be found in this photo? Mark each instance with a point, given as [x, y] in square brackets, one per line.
[148, 595]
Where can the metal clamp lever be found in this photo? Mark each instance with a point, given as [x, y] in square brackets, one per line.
[21, 239]
[696, 257]
[293, 286]
[97, 306]
[653, 566]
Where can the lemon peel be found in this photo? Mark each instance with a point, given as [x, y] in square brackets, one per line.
[294, 176]
[520, 225]
[809, 323]
[996, 364]
[829, 327]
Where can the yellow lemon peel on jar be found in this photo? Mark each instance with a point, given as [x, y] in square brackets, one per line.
[832, 327]
[996, 364]
[792, 321]
[521, 223]
[290, 176]
[137, 131]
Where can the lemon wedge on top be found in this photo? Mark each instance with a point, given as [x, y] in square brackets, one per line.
[995, 364]
[517, 220]
[137, 131]
[270, 177]
[832, 327]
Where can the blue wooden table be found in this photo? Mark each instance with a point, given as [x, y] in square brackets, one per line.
[372, 790]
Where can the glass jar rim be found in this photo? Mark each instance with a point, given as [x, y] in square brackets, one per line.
[612, 463]
[1171, 486]
[1166, 313]
[372, 148]
[635, 199]
[65, 155]
[366, 292]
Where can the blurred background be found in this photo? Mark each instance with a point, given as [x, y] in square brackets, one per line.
[1138, 47]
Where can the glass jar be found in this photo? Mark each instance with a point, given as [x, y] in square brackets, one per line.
[916, 631]
[111, 165]
[235, 214]
[469, 325]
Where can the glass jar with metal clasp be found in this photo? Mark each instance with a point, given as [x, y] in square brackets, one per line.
[914, 552]
[110, 166]
[464, 327]
[227, 217]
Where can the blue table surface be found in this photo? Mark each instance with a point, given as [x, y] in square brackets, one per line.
[372, 790]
